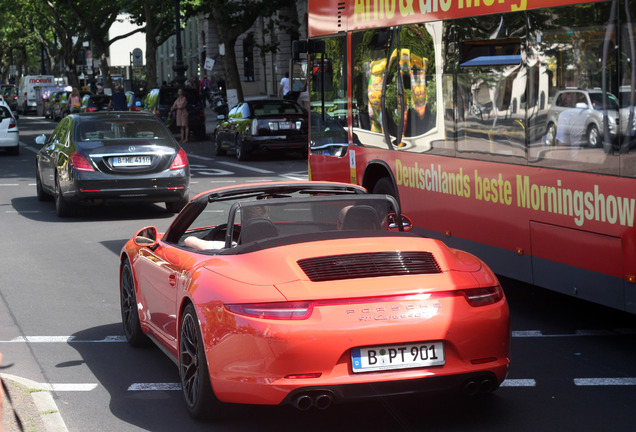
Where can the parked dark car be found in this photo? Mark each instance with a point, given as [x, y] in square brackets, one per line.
[111, 156]
[133, 101]
[159, 102]
[50, 103]
[95, 102]
[60, 107]
[265, 124]
[10, 94]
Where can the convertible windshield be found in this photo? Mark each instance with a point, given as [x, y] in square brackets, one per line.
[121, 129]
[245, 221]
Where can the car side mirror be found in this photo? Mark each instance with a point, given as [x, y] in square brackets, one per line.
[147, 237]
[394, 223]
[40, 139]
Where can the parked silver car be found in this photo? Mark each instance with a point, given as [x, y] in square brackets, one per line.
[576, 118]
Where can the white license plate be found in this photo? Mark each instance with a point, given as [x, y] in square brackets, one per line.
[404, 356]
[285, 125]
[132, 161]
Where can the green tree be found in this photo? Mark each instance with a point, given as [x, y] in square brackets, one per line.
[232, 19]
[96, 17]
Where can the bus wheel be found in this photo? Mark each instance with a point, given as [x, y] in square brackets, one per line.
[385, 186]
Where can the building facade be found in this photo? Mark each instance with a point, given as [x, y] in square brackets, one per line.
[260, 71]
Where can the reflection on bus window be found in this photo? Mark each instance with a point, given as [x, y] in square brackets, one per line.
[491, 81]
[329, 107]
[395, 87]
[577, 72]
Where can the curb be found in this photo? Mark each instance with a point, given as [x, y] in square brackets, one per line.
[44, 403]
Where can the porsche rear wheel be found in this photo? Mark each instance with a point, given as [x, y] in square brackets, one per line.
[193, 369]
[129, 312]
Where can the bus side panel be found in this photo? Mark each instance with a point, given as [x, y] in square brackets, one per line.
[563, 244]
[503, 262]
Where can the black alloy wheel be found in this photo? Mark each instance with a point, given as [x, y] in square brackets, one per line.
[39, 190]
[218, 150]
[193, 370]
[62, 207]
[129, 311]
[242, 154]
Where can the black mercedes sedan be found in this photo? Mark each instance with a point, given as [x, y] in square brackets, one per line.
[111, 156]
[262, 124]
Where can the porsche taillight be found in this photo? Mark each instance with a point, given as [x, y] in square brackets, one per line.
[277, 311]
[80, 163]
[180, 161]
[483, 296]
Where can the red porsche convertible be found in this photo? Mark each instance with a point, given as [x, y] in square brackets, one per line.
[309, 294]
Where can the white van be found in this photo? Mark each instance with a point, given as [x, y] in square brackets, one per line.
[27, 100]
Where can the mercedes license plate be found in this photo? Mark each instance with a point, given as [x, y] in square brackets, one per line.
[132, 161]
[403, 356]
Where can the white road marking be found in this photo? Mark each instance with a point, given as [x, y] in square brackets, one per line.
[519, 383]
[577, 333]
[194, 156]
[249, 168]
[604, 382]
[64, 339]
[9, 184]
[154, 387]
[69, 387]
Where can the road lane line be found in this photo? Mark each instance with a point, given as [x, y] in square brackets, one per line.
[519, 383]
[154, 387]
[63, 339]
[577, 333]
[69, 387]
[194, 156]
[587, 382]
[249, 168]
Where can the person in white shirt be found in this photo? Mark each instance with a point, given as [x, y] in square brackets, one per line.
[283, 88]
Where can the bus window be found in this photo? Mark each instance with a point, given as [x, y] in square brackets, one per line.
[578, 128]
[373, 76]
[420, 47]
[328, 95]
[491, 83]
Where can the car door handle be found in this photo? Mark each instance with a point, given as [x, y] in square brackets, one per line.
[172, 279]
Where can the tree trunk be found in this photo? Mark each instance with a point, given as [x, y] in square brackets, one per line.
[232, 77]
[151, 62]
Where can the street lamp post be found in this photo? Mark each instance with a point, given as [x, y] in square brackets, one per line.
[179, 67]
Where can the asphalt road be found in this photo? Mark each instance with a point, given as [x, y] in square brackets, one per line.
[572, 368]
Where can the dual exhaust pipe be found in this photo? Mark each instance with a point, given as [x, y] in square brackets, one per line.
[323, 399]
[319, 399]
[478, 386]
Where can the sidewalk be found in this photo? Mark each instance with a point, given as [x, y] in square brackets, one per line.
[34, 404]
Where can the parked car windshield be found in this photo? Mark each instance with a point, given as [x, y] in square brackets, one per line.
[121, 129]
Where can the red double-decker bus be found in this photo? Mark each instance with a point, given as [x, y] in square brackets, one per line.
[505, 128]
